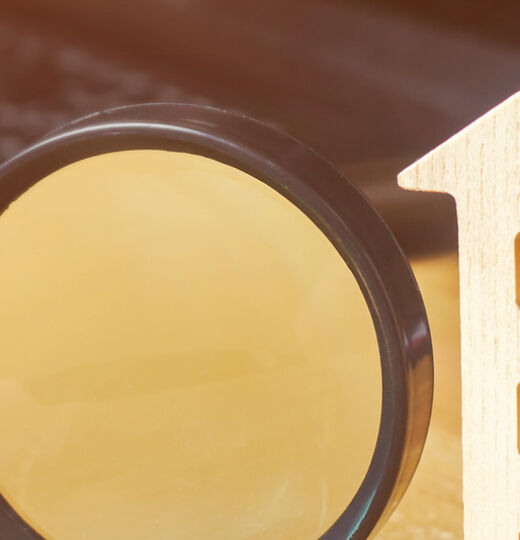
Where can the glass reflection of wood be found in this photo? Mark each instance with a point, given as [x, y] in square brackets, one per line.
[184, 355]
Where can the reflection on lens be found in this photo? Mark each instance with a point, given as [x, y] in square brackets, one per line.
[184, 355]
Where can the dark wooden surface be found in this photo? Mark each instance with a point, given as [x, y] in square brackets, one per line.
[371, 88]
[496, 20]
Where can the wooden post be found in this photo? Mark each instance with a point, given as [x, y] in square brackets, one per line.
[480, 167]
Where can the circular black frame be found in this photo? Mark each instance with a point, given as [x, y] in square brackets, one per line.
[339, 209]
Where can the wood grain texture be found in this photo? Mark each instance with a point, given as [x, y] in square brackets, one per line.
[480, 167]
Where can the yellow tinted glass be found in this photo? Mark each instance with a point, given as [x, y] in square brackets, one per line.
[184, 356]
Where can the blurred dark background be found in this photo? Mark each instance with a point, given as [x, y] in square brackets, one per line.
[372, 85]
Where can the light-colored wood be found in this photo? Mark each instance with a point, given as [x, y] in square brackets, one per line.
[480, 167]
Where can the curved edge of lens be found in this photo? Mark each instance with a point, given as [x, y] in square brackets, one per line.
[339, 209]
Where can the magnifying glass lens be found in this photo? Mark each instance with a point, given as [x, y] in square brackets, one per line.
[185, 355]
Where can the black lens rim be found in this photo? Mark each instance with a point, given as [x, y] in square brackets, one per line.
[339, 209]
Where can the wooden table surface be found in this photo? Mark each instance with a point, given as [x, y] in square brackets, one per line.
[432, 507]
[371, 84]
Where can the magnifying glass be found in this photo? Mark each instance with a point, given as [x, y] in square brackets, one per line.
[207, 332]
